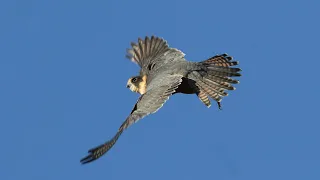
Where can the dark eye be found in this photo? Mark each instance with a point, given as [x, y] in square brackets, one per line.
[134, 79]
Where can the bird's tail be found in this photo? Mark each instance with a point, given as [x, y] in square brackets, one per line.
[215, 77]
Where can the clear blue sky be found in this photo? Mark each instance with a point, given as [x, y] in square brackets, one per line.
[63, 74]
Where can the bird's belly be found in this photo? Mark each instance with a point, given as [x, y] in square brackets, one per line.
[187, 87]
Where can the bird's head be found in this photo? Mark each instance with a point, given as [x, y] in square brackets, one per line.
[137, 84]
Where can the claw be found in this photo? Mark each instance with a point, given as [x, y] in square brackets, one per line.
[219, 105]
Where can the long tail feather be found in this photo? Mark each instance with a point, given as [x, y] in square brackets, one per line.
[222, 58]
[222, 79]
[222, 85]
[208, 91]
[214, 87]
[220, 65]
[214, 77]
[204, 98]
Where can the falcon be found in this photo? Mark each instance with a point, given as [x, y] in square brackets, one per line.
[164, 72]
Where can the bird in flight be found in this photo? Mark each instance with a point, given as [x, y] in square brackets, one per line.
[164, 72]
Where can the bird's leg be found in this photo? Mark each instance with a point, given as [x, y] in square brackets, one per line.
[219, 105]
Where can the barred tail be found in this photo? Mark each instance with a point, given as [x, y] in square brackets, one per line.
[204, 98]
[215, 77]
[221, 66]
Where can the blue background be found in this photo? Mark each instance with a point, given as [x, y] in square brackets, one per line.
[63, 74]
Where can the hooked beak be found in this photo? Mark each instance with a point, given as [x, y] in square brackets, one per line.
[128, 85]
[132, 87]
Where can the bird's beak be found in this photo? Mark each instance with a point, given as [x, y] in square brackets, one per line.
[128, 84]
[131, 86]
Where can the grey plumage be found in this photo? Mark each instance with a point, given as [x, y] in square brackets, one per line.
[164, 72]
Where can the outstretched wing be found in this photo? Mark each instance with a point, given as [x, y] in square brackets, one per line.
[153, 52]
[148, 103]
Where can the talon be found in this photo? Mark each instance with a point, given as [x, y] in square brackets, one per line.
[219, 105]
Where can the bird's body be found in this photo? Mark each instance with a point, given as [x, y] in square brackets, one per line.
[164, 72]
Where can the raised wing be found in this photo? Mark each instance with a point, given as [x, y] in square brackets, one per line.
[153, 52]
[148, 103]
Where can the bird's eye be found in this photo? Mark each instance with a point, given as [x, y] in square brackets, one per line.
[134, 79]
